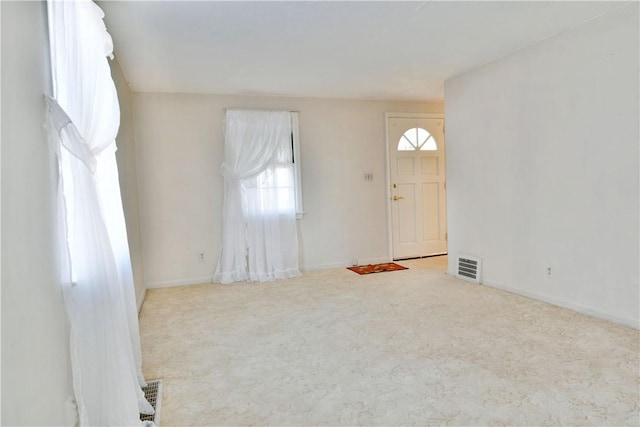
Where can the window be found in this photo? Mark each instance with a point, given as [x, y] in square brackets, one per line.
[93, 260]
[259, 235]
[281, 190]
[417, 139]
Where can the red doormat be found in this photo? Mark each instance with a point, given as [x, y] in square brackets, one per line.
[377, 268]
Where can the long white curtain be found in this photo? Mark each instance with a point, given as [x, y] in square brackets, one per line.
[259, 238]
[83, 119]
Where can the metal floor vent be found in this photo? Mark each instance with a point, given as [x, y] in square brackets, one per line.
[469, 268]
[153, 393]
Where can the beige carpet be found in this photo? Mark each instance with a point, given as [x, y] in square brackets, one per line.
[412, 347]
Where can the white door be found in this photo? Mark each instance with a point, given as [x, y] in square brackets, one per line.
[418, 204]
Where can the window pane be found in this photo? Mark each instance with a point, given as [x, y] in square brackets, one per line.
[412, 136]
[274, 191]
[423, 135]
[405, 145]
[430, 145]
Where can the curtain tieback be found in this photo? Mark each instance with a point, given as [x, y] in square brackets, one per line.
[228, 175]
[57, 121]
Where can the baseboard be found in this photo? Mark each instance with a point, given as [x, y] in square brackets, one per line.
[180, 282]
[324, 266]
[580, 308]
[140, 299]
[208, 279]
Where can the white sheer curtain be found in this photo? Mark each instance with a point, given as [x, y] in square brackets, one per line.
[82, 123]
[259, 238]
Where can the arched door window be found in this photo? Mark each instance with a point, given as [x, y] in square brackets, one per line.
[417, 139]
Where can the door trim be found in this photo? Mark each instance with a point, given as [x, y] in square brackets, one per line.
[388, 116]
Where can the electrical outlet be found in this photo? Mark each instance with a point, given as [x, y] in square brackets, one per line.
[202, 257]
[368, 176]
[548, 271]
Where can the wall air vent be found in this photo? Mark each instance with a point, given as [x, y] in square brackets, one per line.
[469, 268]
[153, 393]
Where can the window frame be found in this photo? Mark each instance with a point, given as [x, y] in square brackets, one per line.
[297, 164]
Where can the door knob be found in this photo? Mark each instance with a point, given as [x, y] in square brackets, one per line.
[398, 197]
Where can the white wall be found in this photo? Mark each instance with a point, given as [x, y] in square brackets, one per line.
[127, 171]
[179, 145]
[36, 377]
[542, 167]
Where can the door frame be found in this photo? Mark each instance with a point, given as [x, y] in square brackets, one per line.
[392, 115]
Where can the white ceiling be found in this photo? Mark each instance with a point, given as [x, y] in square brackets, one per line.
[355, 49]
